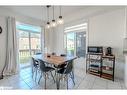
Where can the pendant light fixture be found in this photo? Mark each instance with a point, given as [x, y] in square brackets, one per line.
[48, 23]
[53, 24]
[60, 19]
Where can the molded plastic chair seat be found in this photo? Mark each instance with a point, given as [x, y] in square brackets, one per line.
[62, 71]
[36, 64]
[60, 66]
[48, 69]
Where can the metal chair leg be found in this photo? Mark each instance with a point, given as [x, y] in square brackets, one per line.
[40, 78]
[72, 77]
[59, 80]
[52, 76]
[55, 72]
[45, 80]
[35, 74]
[72, 74]
[67, 81]
[32, 72]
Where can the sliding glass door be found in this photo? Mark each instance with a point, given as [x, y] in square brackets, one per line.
[35, 40]
[80, 44]
[24, 47]
[70, 44]
[76, 44]
[29, 43]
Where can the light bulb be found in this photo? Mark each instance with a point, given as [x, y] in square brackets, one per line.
[48, 25]
[53, 24]
[60, 20]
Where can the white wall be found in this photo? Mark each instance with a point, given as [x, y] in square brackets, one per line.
[108, 30]
[59, 40]
[54, 40]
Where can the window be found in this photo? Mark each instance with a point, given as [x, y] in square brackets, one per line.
[26, 27]
[76, 28]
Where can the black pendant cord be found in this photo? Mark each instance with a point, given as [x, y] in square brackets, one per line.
[53, 12]
[48, 13]
[60, 10]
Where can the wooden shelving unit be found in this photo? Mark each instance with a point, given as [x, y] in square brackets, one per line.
[111, 68]
[95, 65]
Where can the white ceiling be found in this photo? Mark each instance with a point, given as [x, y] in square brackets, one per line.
[39, 12]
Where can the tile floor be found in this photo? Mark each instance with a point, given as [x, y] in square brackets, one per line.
[24, 80]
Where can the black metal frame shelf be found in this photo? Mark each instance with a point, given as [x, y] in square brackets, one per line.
[96, 66]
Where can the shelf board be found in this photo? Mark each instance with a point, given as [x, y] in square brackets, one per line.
[92, 53]
[103, 75]
[94, 66]
[93, 60]
[109, 68]
[95, 69]
[107, 76]
[94, 73]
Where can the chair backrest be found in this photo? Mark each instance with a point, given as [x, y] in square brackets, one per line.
[42, 66]
[69, 66]
[53, 53]
[34, 62]
[63, 55]
[38, 53]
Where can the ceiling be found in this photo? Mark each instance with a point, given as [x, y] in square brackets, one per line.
[40, 12]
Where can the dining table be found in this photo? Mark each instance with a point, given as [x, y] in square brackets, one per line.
[54, 60]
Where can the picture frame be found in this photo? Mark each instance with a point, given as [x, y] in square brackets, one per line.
[0, 29]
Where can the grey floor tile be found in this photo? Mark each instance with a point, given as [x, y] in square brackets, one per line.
[114, 85]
